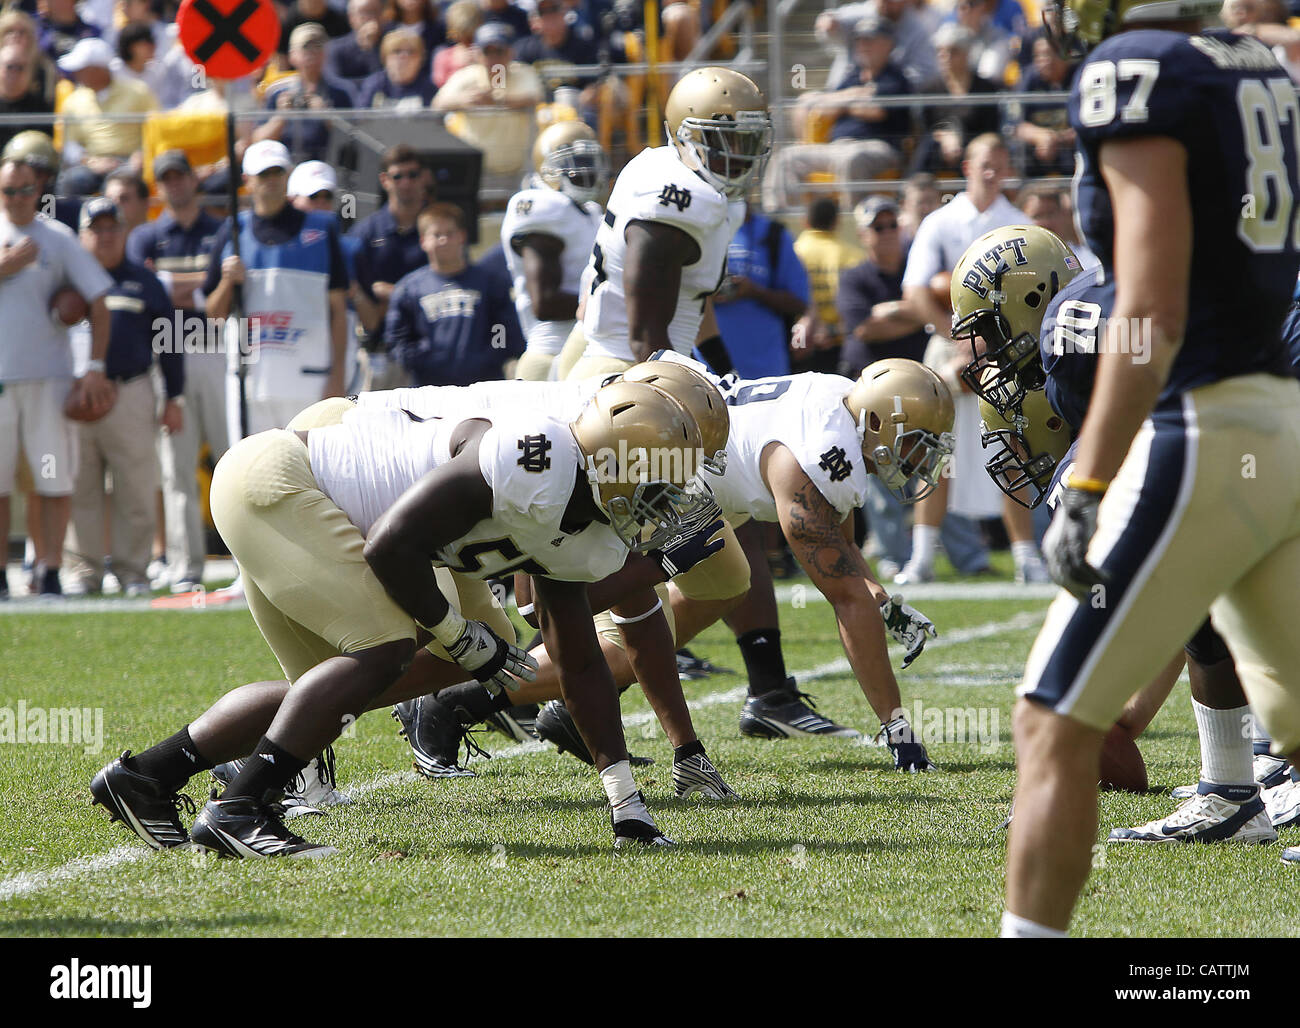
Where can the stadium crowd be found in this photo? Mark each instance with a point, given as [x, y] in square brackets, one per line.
[129, 213]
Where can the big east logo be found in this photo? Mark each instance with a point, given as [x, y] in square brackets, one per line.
[275, 328]
[986, 266]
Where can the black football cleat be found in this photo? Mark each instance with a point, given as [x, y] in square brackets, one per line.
[556, 725]
[691, 667]
[142, 804]
[517, 723]
[634, 832]
[434, 733]
[244, 828]
[785, 715]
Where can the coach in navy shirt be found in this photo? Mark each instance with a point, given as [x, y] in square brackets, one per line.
[451, 323]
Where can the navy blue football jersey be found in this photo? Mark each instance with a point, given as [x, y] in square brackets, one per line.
[1068, 342]
[1229, 102]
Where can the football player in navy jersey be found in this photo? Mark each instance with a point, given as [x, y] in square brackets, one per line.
[1191, 404]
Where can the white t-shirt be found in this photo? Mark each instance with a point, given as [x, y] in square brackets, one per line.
[562, 400]
[31, 344]
[944, 234]
[548, 212]
[529, 460]
[657, 187]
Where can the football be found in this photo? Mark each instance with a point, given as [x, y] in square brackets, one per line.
[68, 306]
[941, 288]
[1122, 766]
[79, 407]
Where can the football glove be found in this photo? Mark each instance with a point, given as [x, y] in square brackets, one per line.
[909, 756]
[695, 544]
[490, 659]
[907, 626]
[1065, 546]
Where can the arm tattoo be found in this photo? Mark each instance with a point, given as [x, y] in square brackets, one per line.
[818, 539]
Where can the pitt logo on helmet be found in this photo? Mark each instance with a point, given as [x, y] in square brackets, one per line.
[984, 268]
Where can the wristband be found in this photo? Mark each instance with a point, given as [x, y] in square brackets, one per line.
[525, 609]
[640, 617]
[449, 629]
[94, 365]
[1087, 485]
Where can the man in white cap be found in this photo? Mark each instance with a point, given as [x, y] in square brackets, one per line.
[294, 287]
[93, 145]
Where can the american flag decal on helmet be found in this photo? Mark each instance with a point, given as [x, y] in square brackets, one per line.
[1072, 262]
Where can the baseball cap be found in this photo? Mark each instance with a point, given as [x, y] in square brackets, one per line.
[171, 160]
[310, 177]
[264, 154]
[871, 26]
[865, 213]
[97, 207]
[91, 52]
[494, 33]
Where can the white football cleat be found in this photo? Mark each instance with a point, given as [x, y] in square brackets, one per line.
[1283, 804]
[314, 788]
[1269, 771]
[1217, 813]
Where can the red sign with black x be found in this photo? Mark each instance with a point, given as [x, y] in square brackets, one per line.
[228, 38]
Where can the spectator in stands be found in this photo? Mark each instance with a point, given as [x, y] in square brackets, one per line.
[174, 246]
[92, 145]
[877, 325]
[16, 96]
[400, 84]
[913, 51]
[496, 97]
[18, 28]
[354, 57]
[314, 12]
[948, 128]
[389, 251]
[61, 28]
[463, 19]
[506, 13]
[763, 295]
[425, 17]
[122, 442]
[1048, 206]
[451, 323]
[312, 89]
[552, 45]
[969, 493]
[990, 51]
[920, 196]
[816, 344]
[128, 191]
[1043, 129]
[37, 257]
[864, 138]
[148, 52]
[1266, 20]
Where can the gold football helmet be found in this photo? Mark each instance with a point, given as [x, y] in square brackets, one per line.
[568, 158]
[1027, 446]
[718, 121]
[699, 396]
[904, 414]
[34, 148]
[1000, 291]
[642, 447]
[1076, 26]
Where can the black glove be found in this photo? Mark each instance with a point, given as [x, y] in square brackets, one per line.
[909, 756]
[1065, 546]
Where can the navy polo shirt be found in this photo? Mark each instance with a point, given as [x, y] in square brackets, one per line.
[136, 302]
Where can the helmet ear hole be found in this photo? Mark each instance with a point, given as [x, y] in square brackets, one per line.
[873, 421]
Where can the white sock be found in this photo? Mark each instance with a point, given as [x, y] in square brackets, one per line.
[621, 790]
[1014, 927]
[924, 540]
[1225, 748]
[1024, 552]
[1262, 740]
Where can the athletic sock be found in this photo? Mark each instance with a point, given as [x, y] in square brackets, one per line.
[1024, 552]
[624, 798]
[925, 538]
[764, 661]
[1225, 749]
[1263, 742]
[174, 761]
[1014, 927]
[268, 770]
[471, 702]
[680, 753]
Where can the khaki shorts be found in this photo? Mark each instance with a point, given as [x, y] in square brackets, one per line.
[535, 367]
[32, 421]
[591, 367]
[574, 347]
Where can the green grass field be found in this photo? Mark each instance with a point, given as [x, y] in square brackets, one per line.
[826, 841]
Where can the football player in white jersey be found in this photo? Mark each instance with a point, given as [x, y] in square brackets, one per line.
[339, 532]
[662, 248]
[547, 235]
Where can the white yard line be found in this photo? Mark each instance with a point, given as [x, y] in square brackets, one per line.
[27, 882]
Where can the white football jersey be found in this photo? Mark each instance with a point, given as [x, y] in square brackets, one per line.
[563, 400]
[656, 186]
[530, 461]
[551, 213]
[805, 413]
